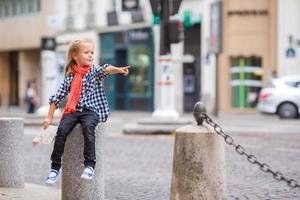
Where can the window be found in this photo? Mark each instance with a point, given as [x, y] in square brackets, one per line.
[1, 8]
[295, 84]
[10, 8]
[246, 76]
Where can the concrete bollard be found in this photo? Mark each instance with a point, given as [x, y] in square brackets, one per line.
[11, 159]
[73, 187]
[198, 164]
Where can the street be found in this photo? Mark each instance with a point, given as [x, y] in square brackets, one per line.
[149, 63]
[139, 167]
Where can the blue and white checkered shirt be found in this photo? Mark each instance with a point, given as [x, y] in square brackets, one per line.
[92, 95]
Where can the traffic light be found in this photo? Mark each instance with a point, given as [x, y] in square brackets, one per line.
[171, 31]
[156, 6]
[175, 31]
[174, 6]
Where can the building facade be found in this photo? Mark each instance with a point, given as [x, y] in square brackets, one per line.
[248, 54]
[288, 39]
[22, 24]
[250, 43]
[258, 38]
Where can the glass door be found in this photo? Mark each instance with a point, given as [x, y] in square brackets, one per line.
[141, 78]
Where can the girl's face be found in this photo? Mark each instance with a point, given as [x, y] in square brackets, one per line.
[85, 55]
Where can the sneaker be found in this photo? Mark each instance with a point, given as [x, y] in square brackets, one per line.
[52, 177]
[88, 173]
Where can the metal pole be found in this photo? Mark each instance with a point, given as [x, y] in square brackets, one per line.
[165, 84]
[216, 109]
[164, 43]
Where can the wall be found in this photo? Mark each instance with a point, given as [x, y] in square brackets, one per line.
[4, 79]
[246, 35]
[91, 14]
[25, 31]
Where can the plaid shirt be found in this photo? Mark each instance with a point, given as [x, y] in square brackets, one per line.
[92, 95]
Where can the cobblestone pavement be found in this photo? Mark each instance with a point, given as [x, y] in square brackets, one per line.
[140, 167]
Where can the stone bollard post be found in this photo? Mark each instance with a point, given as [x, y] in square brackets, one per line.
[198, 164]
[73, 187]
[11, 159]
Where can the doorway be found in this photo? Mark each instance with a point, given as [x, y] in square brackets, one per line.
[191, 71]
[13, 79]
[121, 81]
[134, 48]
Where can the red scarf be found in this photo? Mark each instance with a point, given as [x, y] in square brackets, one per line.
[75, 91]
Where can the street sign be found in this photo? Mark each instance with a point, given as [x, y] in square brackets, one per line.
[216, 27]
[166, 87]
[48, 43]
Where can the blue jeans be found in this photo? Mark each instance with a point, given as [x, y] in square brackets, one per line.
[31, 108]
[89, 120]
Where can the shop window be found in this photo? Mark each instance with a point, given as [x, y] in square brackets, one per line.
[139, 61]
[246, 81]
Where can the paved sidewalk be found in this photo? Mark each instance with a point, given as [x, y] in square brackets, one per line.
[30, 192]
[139, 167]
[237, 123]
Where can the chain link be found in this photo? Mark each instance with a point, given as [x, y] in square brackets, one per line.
[251, 158]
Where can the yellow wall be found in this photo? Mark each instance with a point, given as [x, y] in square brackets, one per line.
[4, 79]
[246, 35]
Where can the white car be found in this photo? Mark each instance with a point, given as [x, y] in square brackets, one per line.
[282, 97]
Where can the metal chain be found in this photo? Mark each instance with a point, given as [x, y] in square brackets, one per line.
[251, 158]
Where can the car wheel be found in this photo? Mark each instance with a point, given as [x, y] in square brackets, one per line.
[287, 111]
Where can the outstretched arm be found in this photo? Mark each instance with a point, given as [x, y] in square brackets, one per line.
[117, 70]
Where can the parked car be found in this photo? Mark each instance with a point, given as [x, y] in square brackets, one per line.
[281, 96]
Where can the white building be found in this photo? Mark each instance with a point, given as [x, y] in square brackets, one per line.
[288, 37]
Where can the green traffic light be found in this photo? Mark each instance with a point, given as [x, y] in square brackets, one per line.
[155, 19]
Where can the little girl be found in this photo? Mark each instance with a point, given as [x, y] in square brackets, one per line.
[87, 104]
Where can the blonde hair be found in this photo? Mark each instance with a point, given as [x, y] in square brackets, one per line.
[73, 49]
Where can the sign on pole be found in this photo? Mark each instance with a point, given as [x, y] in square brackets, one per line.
[216, 27]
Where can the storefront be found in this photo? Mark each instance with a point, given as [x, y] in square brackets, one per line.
[249, 53]
[246, 81]
[134, 48]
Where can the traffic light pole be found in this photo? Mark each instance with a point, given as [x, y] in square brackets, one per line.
[165, 47]
[165, 108]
